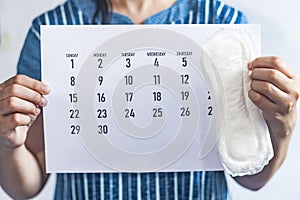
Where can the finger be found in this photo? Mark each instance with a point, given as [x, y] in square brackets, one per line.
[24, 93]
[13, 121]
[273, 76]
[28, 82]
[262, 102]
[272, 62]
[270, 92]
[17, 105]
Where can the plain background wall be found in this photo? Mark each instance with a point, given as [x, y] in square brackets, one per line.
[280, 36]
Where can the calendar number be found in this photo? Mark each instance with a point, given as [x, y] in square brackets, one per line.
[75, 129]
[185, 79]
[128, 80]
[100, 61]
[72, 80]
[184, 62]
[100, 79]
[102, 113]
[210, 110]
[103, 129]
[129, 113]
[156, 79]
[72, 63]
[74, 114]
[185, 95]
[128, 63]
[156, 63]
[129, 96]
[73, 97]
[101, 97]
[185, 112]
[157, 96]
[157, 112]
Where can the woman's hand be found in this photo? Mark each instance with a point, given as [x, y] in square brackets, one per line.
[21, 100]
[275, 89]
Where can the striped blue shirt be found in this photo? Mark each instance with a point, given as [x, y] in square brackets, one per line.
[171, 185]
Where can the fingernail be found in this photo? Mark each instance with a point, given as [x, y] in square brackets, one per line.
[43, 101]
[45, 89]
[250, 74]
[250, 65]
[37, 111]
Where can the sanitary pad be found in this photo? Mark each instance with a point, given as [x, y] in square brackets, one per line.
[244, 142]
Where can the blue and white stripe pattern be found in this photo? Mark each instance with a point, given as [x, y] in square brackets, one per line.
[146, 186]
[162, 185]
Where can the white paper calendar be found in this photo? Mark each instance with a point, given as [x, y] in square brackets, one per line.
[131, 98]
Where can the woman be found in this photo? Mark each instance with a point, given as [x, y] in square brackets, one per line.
[274, 89]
